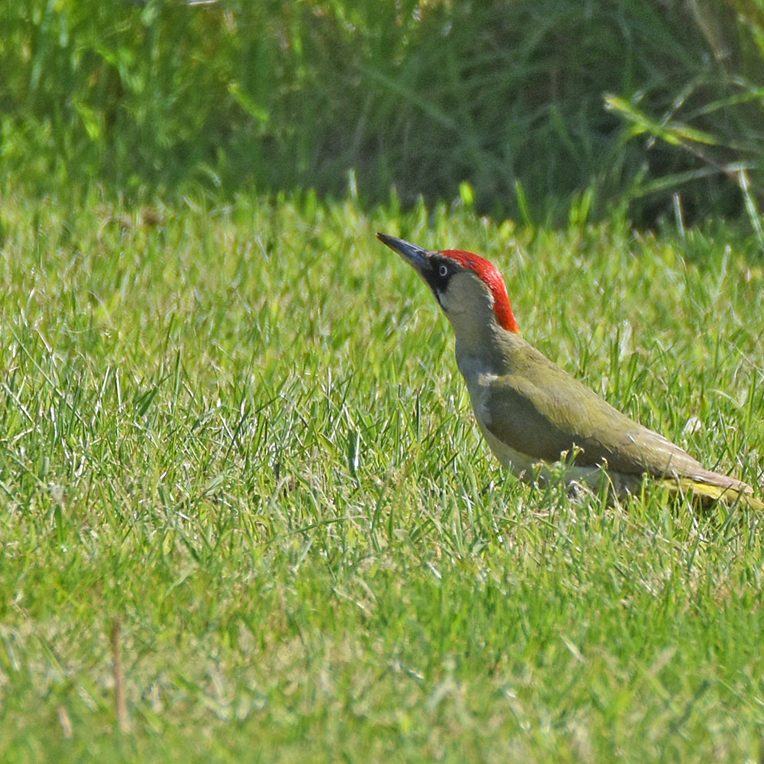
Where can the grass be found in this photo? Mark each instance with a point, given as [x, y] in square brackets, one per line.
[238, 432]
[650, 105]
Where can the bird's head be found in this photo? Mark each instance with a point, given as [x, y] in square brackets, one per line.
[467, 286]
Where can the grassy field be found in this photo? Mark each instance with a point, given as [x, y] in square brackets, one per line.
[238, 433]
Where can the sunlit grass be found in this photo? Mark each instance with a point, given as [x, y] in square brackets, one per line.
[240, 431]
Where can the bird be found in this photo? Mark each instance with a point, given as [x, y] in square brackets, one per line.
[538, 420]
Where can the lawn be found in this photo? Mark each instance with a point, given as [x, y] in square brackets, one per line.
[234, 443]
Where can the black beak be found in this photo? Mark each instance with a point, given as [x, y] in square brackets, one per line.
[416, 256]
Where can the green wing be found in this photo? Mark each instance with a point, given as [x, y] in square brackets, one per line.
[542, 411]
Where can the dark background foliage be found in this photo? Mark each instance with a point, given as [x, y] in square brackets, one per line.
[546, 108]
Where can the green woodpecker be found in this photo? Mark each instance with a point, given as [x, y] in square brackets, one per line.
[537, 419]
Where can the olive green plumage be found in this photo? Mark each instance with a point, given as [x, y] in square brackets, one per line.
[535, 415]
[532, 405]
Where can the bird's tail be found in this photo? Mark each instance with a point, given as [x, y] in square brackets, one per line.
[706, 493]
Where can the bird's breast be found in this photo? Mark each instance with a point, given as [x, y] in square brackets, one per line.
[481, 380]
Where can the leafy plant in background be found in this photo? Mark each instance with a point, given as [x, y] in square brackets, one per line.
[542, 107]
[728, 109]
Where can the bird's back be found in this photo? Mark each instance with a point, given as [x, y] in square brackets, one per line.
[539, 410]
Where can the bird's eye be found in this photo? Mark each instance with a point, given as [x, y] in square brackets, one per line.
[443, 271]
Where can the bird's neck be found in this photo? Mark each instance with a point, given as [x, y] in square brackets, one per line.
[482, 344]
[483, 347]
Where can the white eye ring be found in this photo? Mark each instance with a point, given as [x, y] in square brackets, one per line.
[443, 271]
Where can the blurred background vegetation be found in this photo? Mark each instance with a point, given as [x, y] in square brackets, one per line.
[547, 110]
